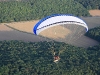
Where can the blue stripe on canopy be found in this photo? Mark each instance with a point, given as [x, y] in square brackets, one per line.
[35, 27]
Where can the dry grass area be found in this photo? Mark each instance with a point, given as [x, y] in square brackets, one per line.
[4, 28]
[26, 26]
[94, 12]
[56, 32]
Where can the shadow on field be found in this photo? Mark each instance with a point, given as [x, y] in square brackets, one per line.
[83, 41]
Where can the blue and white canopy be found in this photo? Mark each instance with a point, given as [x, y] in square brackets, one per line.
[57, 19]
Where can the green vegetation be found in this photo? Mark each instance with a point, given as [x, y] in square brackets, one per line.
[37, 9]
[20, 58]
[90, 4]
[94, 33]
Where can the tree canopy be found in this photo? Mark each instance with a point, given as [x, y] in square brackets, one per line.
[28, 58]
[21, 58]
[90, 4]
[94, 33]
[37, 9]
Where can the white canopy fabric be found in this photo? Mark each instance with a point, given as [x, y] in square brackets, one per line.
[57, 19]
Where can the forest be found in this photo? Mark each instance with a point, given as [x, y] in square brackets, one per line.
[36, 58]
[23, 10]
[94, 33]
[36, 9]
[21, 58]
[90, 4]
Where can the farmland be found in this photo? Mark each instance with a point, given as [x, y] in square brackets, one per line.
[27, 26]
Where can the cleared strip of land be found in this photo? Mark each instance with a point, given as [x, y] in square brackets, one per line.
[83, 41]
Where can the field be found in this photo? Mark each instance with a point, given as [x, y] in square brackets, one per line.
[56, 32]
[4, 28]
[94, 12]
[27, 26]
[7, 33]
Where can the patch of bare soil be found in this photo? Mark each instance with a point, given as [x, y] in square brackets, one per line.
[94, 12]
[4, 28]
